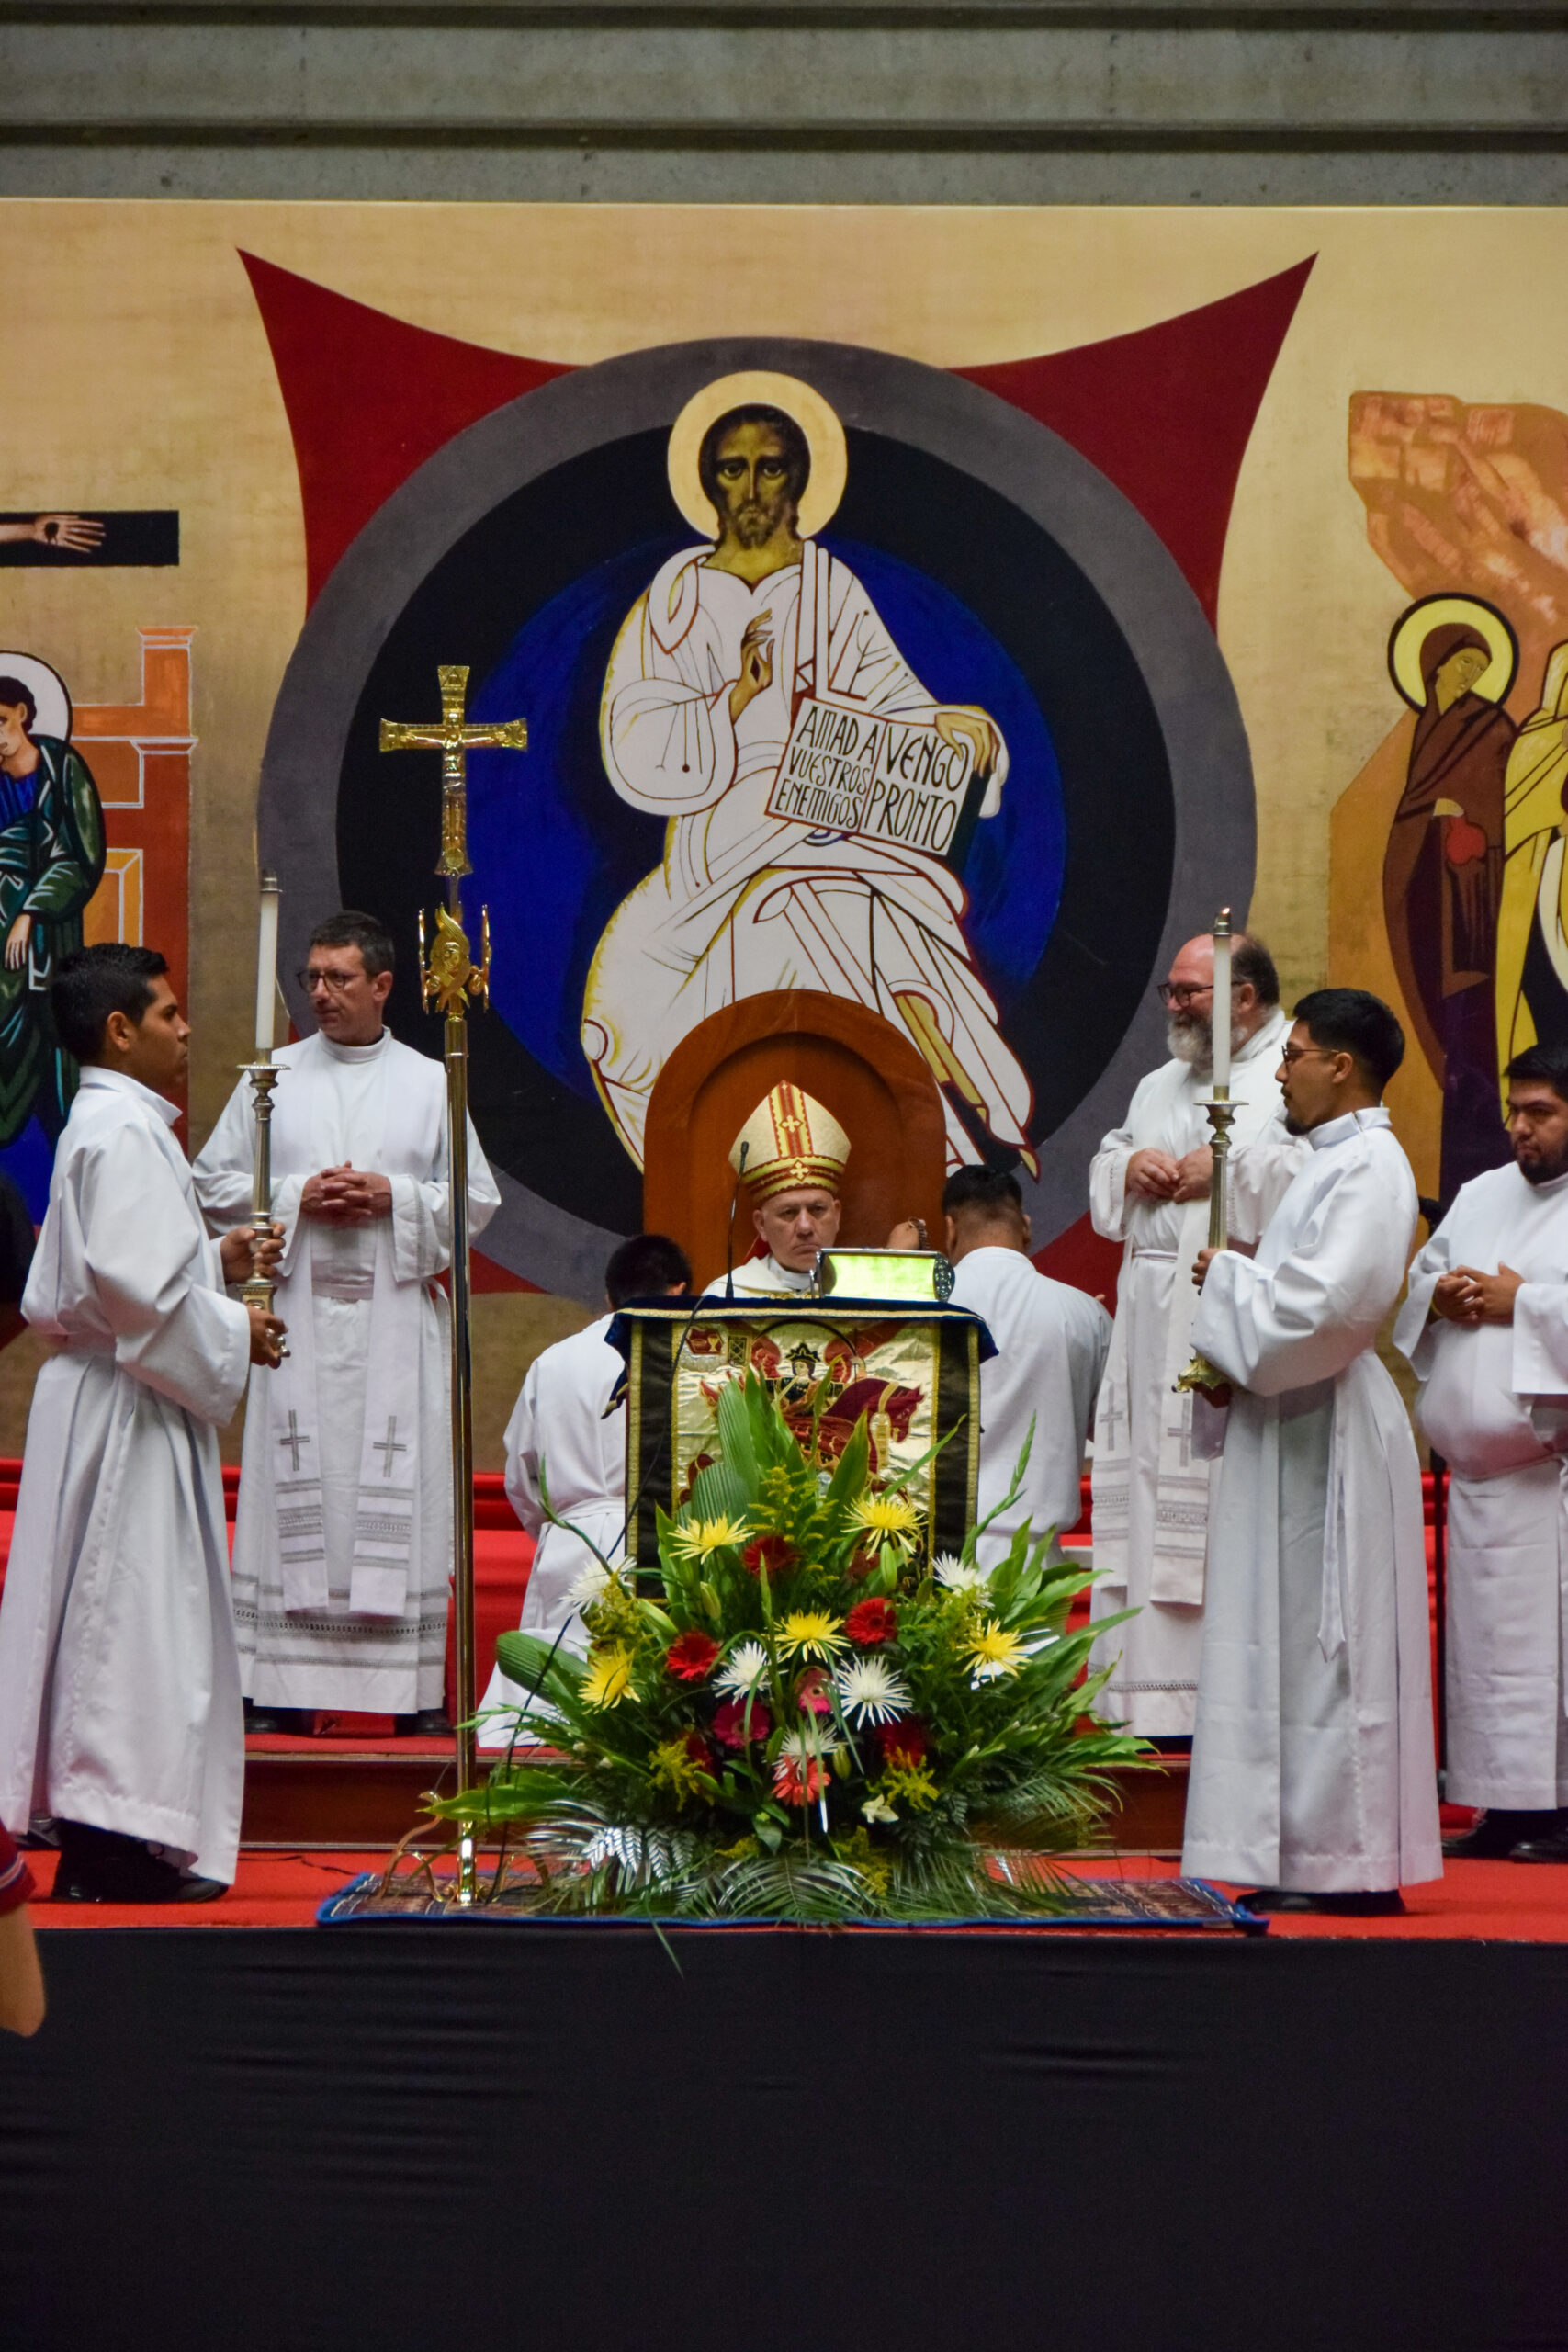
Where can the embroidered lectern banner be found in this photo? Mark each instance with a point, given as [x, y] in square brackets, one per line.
[914, 1375]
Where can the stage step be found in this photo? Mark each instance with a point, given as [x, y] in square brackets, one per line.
[346, 1793]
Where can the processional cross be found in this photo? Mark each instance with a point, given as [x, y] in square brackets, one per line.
[449, 978]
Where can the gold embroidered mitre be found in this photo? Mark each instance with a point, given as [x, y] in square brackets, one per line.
[789, 1140]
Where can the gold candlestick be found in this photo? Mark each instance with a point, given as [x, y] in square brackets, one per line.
[1220, 1112]
[448, 979]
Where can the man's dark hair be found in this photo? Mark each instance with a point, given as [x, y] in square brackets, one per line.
[12, 691]
[349, 927]
[992, 1194]
[796, 448]
[93, 982]
[1354, 1022]
[644, 1266]
[1548, 1065]
[1250, 960]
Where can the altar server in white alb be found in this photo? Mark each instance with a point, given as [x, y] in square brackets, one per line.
[789, 1163]
[342, 1550]
[1485, 1325]
[1149, 1189]
[1050, 1341]
[1313, 1765]
[565, 1437]
[119, 1689]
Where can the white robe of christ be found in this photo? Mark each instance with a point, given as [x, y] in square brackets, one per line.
[342, 1550]
[1051, 1343]
[1312, 1763]
[563, 1437]
[743, 902]
[1152, 1495]
[1508, 1559]
[119, 1689]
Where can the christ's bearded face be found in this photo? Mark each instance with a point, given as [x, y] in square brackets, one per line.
[752, 485]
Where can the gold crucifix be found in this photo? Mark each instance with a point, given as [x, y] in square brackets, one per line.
[454, 737]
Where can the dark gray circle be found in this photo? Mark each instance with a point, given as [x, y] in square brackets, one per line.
[948, 418]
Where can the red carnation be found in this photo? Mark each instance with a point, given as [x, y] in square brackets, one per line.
[729, 1723]
[690, 1657]
[871, 1622]
[904, 1742]
[774, 1552]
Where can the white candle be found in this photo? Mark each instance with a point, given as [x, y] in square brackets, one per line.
[266, 966]
[1223, 1002]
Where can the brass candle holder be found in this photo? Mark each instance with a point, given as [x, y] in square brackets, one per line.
[1220, 1111]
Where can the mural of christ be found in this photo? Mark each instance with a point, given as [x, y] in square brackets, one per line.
[708, 675]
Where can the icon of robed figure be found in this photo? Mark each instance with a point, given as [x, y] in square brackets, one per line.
[709, 674]
[51, 861]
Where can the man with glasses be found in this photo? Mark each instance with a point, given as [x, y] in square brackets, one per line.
[1312, 1770]
[342, 1550]
[1149, 1189]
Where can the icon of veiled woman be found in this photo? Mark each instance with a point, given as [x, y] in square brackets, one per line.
[51, 860]
[1453, 660]
[1532, 925]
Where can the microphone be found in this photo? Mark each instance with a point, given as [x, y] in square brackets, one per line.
[729, 1238]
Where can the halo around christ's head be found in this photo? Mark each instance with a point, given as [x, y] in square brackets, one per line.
[760, 387]
[48, 688]
[1415, 627]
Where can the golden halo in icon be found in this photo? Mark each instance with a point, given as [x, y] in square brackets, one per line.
[1414, 626]
[759, 387]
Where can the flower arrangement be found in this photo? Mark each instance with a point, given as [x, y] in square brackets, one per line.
[805, 1720]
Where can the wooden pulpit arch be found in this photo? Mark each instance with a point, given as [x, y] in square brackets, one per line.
[857, 1065]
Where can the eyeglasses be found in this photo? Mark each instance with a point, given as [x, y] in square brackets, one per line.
[1294, 1053]
[335, 983]
[1181, 993]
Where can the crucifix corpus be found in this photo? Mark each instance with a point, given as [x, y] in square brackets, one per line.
[448, 976]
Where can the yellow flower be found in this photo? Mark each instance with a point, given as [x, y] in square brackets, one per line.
[891, 1519]
[912, 1782]
[673, 1766]
[700, 1538]
[810, 1632]
[994, 1652]
[607, 1677]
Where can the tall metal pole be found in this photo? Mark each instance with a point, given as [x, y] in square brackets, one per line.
[448, 976]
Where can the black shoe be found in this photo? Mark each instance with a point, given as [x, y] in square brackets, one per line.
[1496, 1835]
[1552, 1847]
[105, 1866]
[1380, 1903]
[293, 1721]
[430, 1722]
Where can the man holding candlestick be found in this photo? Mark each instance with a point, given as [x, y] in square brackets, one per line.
[1149, 1189]
[119, 1689]
[343, 1549]
[1312, 1763]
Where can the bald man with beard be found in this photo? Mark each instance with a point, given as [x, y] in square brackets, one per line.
[1149, 1189]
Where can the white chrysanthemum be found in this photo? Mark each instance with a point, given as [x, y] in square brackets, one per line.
[744, 1670]
[870, 1691]
[808, 1742]
[960, 1576]
[589, 1586]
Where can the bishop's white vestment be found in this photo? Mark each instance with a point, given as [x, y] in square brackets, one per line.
[1050, 1343]
[1485, 1408]
[742, 901]
[1153, 1495]
[343, 1549]
[762, 1278]
[119, 1689]
[564, 1438]
[1313, 1759]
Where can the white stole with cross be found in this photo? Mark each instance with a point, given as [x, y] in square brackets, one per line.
[386, 1519]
